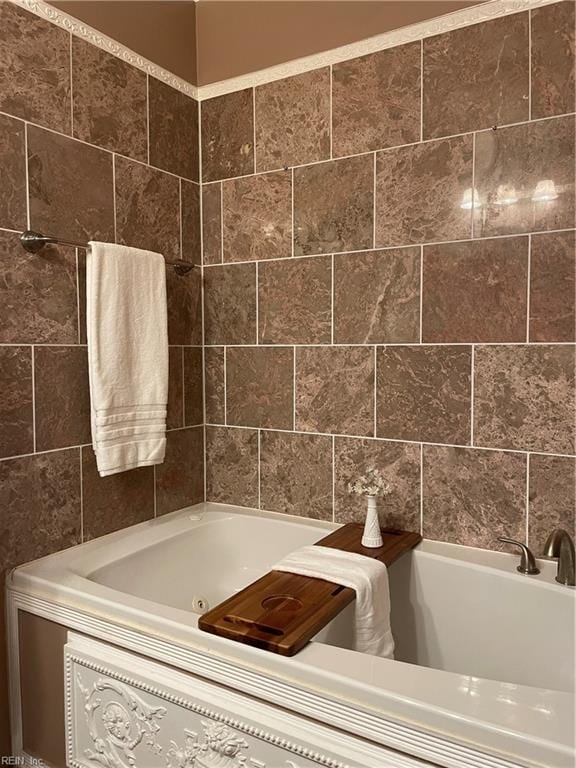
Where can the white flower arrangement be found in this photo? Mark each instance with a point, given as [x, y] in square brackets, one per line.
[370, 484]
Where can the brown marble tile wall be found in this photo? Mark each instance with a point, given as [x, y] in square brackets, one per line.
[50, 491]
[405, 297]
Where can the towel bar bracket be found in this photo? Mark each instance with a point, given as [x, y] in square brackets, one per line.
[34, 242]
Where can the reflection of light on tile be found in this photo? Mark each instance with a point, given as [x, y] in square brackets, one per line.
[470, 199]
[506, 195]
[545, 190]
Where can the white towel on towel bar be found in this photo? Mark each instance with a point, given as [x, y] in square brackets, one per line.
[127, 330]
[367, 576]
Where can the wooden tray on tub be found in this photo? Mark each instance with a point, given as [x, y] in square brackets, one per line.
[281, 612]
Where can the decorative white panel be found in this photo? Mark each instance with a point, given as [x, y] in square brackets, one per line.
[127, 712]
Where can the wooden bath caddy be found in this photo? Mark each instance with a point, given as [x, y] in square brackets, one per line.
[281, 612]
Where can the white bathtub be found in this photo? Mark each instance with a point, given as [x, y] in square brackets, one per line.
[484, 669]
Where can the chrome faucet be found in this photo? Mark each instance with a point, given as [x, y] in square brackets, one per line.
[559, 546]
[527, 562]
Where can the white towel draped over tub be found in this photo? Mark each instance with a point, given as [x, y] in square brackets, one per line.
[127, 329]
[367, 576]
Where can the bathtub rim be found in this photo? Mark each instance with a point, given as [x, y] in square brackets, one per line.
[306, 674]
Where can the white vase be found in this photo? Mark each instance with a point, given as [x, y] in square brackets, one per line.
[372, 537]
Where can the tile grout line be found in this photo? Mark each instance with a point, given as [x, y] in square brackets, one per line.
[292, 205]
[254, 125]
[299, 165]
[472, 369]
[202, 301]
[180, 216]
[530, 64]
[293, 389]
[81, 498]
[27, 175]
[422, 489]
[78, 320]
[114, 193]
[398, 246]
[421, 289]
[527, 505]
[71, 89]
[519, 451]
[225, 392]
[148, 119]
[331, 126]
[375, 415]
[370, 344]
[257, 309]
[333, 479]
[437, 139]
[421, 89]
[221, 222]
[332, 294]
[258, 468]
[528, 281]
[33, 382]
[374, 202]
[184, 386]
[473, 208]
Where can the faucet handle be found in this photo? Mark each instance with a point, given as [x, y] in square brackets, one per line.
[527, 563]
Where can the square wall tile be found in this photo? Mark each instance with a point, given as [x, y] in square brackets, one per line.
[70, 186]
[524, 398]
[476, 77]
[257, 217]
[38, 302]
[193, 387]
[173, 130]
[40, 501]
[214, 385]
[419, 189]
[191, 224]
[175, 410]
[180, 479]
[293, 120]
[475, 291]
[230, 304]
[296, 474]
[232, 466]
[335, 390]
[117, 501]
[553, 59]
[423, 393]
[260, 387]
[212, 222]
[16, 413]
[333, 206]
[521, 163]
[472, 497]
[400, 465]
[147, 208]
[34, 68]
[62, 397]
[377, 296]
[13, 169]
[110, 103]
[295, 300]
[228, 136]
[376, 100]
[553, 287]
[552, 498]
[184, 296]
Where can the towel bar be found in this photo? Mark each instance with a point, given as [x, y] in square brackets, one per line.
[33, 242]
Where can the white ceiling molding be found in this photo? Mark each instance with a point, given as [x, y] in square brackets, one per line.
[464, 18]
[105, 43]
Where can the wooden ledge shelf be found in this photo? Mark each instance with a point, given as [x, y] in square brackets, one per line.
[281, 612]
